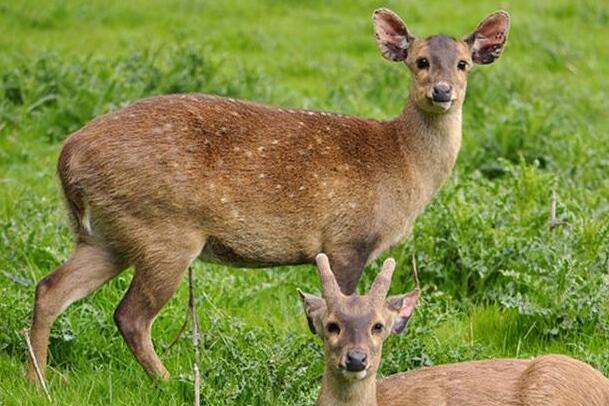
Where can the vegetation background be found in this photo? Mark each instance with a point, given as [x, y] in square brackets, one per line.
[497, 281]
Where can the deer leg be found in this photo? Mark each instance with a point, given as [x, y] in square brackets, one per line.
[154, 282]
[88, 268]
[348, 265]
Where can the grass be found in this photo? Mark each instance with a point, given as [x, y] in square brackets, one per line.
[497, 282]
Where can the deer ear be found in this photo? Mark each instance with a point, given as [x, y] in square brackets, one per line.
[488, 40]
[314, 306]
[403, 306]
[392, 36]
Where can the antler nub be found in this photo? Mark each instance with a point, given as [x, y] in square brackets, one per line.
[382, 282]
[329, 286]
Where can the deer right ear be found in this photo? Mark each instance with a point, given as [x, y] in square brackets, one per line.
[403, 306]
[314, 306]
[488, 40]
[391, 34]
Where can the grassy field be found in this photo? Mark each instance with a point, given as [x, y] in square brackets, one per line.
[497, 281]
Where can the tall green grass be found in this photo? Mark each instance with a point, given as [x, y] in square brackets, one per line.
[497, 281]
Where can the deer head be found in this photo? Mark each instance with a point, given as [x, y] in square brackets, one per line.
[354, 327]
[440, 64]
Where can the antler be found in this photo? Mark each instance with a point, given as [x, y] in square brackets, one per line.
[382, 282]
[329, 286]
[415, 276]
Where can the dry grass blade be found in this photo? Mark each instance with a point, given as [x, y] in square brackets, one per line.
[196, 339]
[415, 272]
[181, 331]
[552, 222]
[26, 334]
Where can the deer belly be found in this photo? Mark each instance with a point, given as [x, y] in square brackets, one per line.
[392, 233]
[254, 254]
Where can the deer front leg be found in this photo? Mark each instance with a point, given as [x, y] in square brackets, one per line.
[348, 265]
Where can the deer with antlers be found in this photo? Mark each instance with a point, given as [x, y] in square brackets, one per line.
[353, 329]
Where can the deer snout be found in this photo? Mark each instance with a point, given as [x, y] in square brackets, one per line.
[441, 92]
[356, 361]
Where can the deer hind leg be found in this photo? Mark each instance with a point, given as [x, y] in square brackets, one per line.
[157, 276]
[88, 268]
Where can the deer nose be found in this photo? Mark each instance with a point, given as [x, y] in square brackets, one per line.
[441, 92]
[356, 361]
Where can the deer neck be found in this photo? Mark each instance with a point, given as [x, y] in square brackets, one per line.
[430, 141]
[337, 390]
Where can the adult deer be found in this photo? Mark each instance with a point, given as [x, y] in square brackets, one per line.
[354, 327]
[174, 178]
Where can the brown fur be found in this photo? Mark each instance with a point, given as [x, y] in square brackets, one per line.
[551, 380]
[172, 178]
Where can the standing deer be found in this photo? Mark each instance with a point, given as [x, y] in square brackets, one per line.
[354, 327]
[173, 178]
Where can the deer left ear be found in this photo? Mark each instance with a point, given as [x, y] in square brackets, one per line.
[313, 307]
[404, 306]
[392, 36]
[488, 40]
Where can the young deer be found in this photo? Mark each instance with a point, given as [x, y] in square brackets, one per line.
[173, 178]
[353, 329]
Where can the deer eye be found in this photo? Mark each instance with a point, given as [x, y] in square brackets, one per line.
[333, 328]
[462, 65]
[377, 328]
[422, 63]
